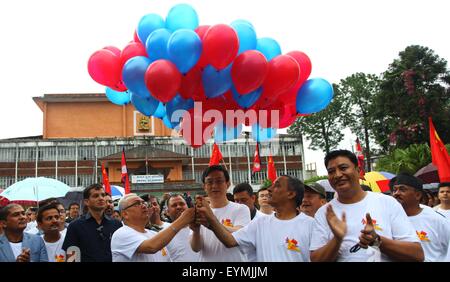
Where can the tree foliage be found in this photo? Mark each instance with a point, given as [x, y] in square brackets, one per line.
[359, 90]
[323, 129]
[414, 87]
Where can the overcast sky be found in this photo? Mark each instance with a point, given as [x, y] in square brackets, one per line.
[45, 44]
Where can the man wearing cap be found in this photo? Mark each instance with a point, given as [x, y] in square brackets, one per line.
[284, 236]
[444, 197]
[360, 225]
[315, 197]
[431, 227]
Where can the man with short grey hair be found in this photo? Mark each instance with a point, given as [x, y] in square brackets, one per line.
[132, 242]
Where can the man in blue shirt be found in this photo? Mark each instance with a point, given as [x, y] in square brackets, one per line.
[90, 235]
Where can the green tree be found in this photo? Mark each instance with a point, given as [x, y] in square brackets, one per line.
[323, 129]
[410, 159]
[415, 86]
[358, 91]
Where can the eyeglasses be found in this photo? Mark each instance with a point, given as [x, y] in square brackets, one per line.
[138, 203]
[217, 181]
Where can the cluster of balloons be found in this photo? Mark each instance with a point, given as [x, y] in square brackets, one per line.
[173, 62]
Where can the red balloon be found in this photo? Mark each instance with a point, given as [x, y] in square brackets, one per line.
[194, 129]
[305, 66]
[136, 37]
[284, 73]
[201, 31]
[200, 95]
[113, 49]
[104, 67]
[249, 71]
[220, 45]
[163, 80]
[191, 82]
[132, 49]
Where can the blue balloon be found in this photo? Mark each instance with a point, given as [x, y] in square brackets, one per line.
[156, 44]
[216, 82]
[184, 49]
[178, 103]
[246, 34]
[223, 133]
[314, 96]
[118, 98]
[181, 16]
[170, 123]
[247, 100]
[261, 134]
[146, 106]
[269, 47]
[133, 74]
[160, 111]
[241, 21]
[147, 25]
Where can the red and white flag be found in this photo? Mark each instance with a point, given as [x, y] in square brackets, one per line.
[360, 156]
[125, 179]
[256, 160]
[439, 154]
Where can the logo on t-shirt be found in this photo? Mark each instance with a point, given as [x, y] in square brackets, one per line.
[227, 222]
[375, 225]
[60, 258]
[292, 245]
[163, 252]
[422, 236]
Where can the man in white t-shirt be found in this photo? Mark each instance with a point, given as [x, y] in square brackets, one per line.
[444, 197]
[284, 236]
[243, 194]
[432, 228]
[132, 242]
[48, 219]
[216, 181]
[263, 201]
[179, 248]
[360, 225]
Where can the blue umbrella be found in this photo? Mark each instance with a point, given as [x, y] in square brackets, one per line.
[35, 189]
[117, 192]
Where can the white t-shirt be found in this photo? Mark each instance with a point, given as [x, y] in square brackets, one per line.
[179, 248]
[277, 240]
[259, 214]
[389, 218]
[445, 213]
[232, 214]
[124, 243]
[16, 248]
[433, 231]
[54, 250]
[162, 255]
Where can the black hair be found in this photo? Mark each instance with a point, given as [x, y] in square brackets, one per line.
[87, 190]
[73, 204]
[42, 209]
[4, 212]
[444, 184]
[213, 168]
[297, 186]
[262, 189]
[48, 201]
[341, 153]
[241, 187]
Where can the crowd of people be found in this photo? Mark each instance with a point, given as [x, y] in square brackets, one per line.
[290, 221]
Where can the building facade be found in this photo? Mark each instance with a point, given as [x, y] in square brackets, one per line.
[83, 131]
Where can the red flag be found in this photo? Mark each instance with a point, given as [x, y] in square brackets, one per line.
[439, 154]
[106, 180]
[256, 160]
[271, 171]
[360, 156]
[216, 156]
[125, 179]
